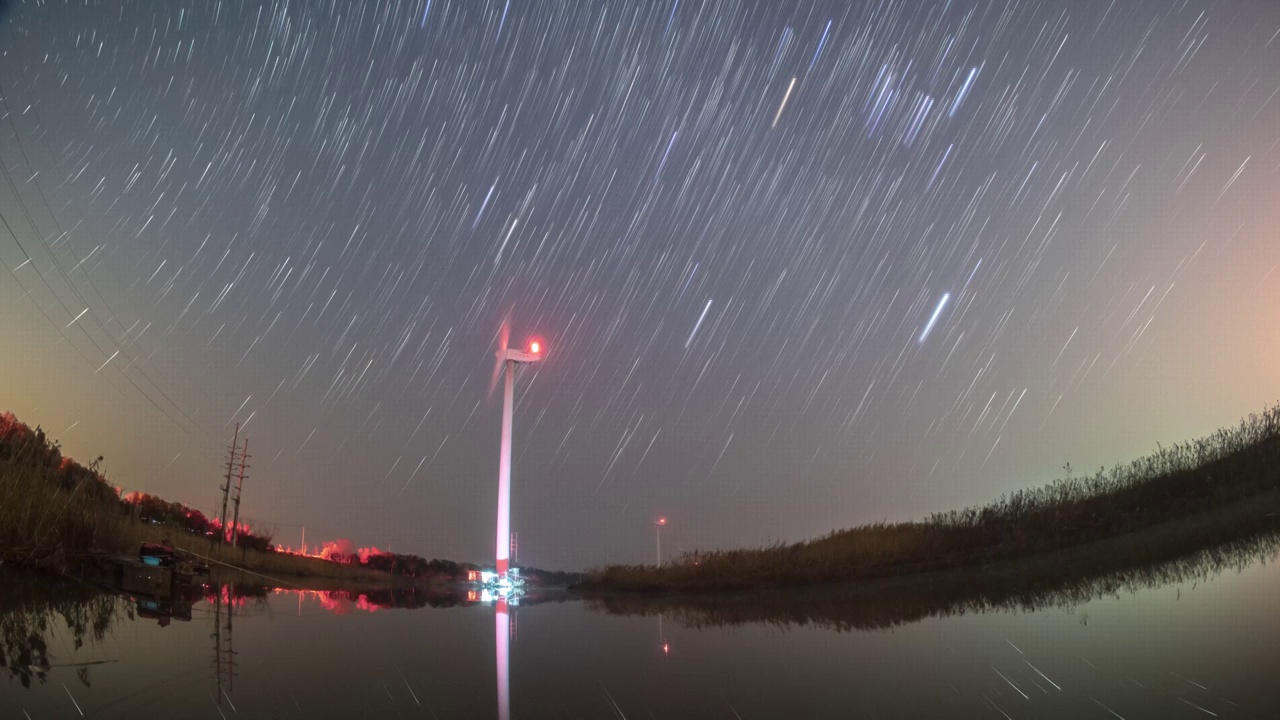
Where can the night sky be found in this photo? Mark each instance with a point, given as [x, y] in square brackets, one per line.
[797, 266]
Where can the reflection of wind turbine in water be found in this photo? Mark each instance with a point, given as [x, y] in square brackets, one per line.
[507, 359]
[502, 643]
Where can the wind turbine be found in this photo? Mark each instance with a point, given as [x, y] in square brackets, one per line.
[507, 359]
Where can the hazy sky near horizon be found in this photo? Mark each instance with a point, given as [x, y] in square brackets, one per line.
[797, 265]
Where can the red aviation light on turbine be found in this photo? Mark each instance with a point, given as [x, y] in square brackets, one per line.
[531, 355]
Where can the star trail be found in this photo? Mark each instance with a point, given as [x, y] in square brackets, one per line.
[796, 265]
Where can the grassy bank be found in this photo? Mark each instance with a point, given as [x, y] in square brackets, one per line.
[293, 569]
[1196, 549]
[55, 512]
[1173, 484]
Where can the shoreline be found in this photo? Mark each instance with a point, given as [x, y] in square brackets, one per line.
[1220, 538]
[1249, 516]
[1234, 466]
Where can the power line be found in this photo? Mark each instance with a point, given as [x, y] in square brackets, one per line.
[60, 331]
[4, 170]
[120, 349]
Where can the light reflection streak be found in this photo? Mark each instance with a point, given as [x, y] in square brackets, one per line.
[502, 641]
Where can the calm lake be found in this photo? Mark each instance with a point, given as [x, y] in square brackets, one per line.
[1196, 637]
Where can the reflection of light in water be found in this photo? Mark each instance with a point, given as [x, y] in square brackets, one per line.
[502, 640]
[662, 638]
[338, 602]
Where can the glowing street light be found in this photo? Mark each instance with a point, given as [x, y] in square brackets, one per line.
[508, 358]
[657, 531]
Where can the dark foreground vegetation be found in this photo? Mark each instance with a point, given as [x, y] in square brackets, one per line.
[1234, 465]
[1198, 549]
[56, 513]
[37, 616]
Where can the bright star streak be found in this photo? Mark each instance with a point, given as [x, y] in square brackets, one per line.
[821, 42]
[964, 90]
[483, 205]
[113, 357]
[663, 163]
[783, 106]
[937, 311]
[697, 325]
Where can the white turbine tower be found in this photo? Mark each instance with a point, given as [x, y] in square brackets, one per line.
[507, 359]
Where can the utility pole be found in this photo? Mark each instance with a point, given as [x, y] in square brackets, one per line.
[235, 523]
[226, 488]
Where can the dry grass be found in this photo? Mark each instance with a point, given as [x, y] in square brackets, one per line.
[1197, 549]
[1175, 482]
[44, 521]
[270, 564]
[54, 512]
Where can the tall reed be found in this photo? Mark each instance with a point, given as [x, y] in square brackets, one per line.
[1231, 465]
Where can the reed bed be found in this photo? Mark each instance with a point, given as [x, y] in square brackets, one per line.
[1175, 482]
[55, 512]
[1196, 549]
[51, 507]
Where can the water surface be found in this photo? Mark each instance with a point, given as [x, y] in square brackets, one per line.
[1192, 637]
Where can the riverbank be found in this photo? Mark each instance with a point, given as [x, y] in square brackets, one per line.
[289, 569]
[56, 513]
[1236, 465]
[1196, 548]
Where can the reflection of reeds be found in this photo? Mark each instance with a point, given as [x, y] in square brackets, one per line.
[32, 610]
[1173, 483]
[1230, 538]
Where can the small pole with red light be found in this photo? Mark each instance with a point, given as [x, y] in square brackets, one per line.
[657, 531]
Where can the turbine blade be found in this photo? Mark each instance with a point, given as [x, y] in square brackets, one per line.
[504, 334]
[497, 372]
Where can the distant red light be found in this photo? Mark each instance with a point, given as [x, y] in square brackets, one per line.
[662, 521]
[535, 347]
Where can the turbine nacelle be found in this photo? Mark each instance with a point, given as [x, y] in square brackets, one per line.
[532, 355]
